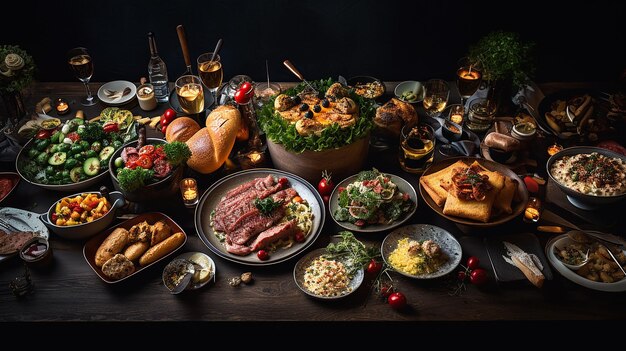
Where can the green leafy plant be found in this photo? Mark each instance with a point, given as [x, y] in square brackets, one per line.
[177, 153]
[267, 205]
[503, 56]
[16, 72]
[284, 133]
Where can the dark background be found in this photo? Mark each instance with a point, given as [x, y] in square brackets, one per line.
[392, 40]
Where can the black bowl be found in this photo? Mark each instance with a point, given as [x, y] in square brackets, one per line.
[451, 131]
[366, 79]
[579, 199]
[500, 156]
[165, 187]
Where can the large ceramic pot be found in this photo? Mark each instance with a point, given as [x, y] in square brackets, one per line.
[165, 187]
[341, 162]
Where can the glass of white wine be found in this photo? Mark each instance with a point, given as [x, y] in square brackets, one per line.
[436, 96]
[190, 94]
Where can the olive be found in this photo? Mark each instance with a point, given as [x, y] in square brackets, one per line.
[296, 99]
[304, 107]
[325, 103]
[317, 108]
[308, 114]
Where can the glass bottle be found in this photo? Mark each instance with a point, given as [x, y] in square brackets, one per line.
[157, 72]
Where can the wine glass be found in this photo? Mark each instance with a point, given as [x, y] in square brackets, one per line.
[210, 71]
[468, 78]
[190, 94]
[81, 63]
[436, 96]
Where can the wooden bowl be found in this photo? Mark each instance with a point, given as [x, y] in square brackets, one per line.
[341, 162]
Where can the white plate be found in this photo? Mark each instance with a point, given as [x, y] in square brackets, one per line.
[421, 232]
[187, 256]
[117, 85]
[571, 275]
[23, 220]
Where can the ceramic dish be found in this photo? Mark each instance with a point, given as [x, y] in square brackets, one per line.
[14, 178]
[198, 258]
[421, 232]
[578, 199]
[364, 80]
[618, 286]
[412, 86]
[91, 246]
[210, 199]
[519, 201]
[117, 85]
[300, 269]
[24, 221]
[403, 186]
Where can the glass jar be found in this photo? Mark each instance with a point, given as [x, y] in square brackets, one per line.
[233, 85]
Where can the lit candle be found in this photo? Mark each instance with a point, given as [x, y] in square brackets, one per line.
[62, 107]
[469, 74]
[554, 148]
[189, 191]
[456, 114]
[533, 210]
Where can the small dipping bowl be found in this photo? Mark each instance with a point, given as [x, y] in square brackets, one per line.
[451, 131]
[500, 156]
[524, 131]
[563, 243]
[36, 252]
[263, 92]
[174, 272]
[410, 86]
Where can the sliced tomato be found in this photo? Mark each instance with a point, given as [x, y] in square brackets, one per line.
[146, 150]
[159, 152]
[73, 136]
[144, 161]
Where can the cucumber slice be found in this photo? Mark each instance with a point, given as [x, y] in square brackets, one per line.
[106, 153]
[58, 158]
[76, 174]
[91, 167]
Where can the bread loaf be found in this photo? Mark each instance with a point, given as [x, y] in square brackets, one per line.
[161, 249]
[134, 251]
[501, 142]
[211, 146]
[112, 245]
[181, 129]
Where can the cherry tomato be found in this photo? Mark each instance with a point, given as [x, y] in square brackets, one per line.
[144, 161]
[531, 184]
[111, 127]
[167, 117]
[397, 300]
[262, 255]
[246, 87]
[473, 262]
[146, 150]
[341, 189]
[241, 97]
[283, 181]
[43, 134]
[299, 237]
[73, 136]
[478, 276]
[54, 217]
[386, 290]
[159, 152]
[326, 185]
[461, 275]
[374, 267]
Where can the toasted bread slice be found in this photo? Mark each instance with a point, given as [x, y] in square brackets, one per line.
[505, 197]
[437, 184]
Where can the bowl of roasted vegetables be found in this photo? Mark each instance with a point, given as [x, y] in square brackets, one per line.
[82, 215]
[74, 156]
[150, 169]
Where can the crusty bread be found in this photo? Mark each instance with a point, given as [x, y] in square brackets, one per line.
[118, 267]
[134, 251]
[112, 245]
[161, 249]
[393, 115]
[436, 184]
[181, 129]
[211, 145]
[532, 273]
[505, 197]
[160, 231]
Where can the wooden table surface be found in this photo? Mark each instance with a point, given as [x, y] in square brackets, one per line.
[68, 290]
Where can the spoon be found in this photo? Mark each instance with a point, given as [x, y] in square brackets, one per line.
[182, 285]
[583, 238]
[573, 267]
[218, 46]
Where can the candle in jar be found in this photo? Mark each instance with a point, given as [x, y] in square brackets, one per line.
[532, 213]
[456, 118]
[189, 191]
[469, 75]
[62, 107]
[554, 148]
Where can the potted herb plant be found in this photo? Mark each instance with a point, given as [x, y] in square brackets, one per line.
[17, 70]
[507, 63]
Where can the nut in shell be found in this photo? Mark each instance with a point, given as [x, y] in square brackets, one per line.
[234, 281]
[246, 277]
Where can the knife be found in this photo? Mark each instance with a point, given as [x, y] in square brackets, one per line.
[297, 73]
[182, 38]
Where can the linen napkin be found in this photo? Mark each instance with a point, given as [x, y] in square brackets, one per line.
[9, 147]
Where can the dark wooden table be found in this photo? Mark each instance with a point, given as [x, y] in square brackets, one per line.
[68, 290]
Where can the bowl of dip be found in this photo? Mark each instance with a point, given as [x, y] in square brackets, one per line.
[589, 176]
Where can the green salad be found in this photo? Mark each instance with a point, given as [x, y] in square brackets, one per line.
[282, 132]
[372, 199]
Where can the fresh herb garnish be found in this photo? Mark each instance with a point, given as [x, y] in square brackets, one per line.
[134, 179]
[353, 253]
[177, 153]
[267, 205]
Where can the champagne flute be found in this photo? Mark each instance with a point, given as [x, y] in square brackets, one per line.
[436, 96]
[210, 72]
[81, 63]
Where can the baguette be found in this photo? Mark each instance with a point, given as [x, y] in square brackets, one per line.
[529, 269]
[112, 245]
[161, 249]
[134, 251]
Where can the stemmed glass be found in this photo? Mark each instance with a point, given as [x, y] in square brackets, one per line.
[210, 71]
[81, 63]
[437, 93]
[468, 78]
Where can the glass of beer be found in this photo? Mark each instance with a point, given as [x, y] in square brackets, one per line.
[210, 72]
[82, 65]
[417, 146]
[190, 94]
[468, 79]
[436, 96]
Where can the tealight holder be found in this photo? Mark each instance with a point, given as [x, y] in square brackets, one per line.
[62, 106]
[554, 148]
[532, 213]
[189, 191]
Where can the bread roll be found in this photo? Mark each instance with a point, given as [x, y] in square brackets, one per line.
[159, 232]
[134, 251]
[211, 146]
[112, 245]
[181, 129]
[502, 142]
[118, 267]
[392, 116]
[161, 249]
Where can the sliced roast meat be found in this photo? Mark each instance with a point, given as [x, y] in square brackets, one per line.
[253, 225]
[232, 219]
[241, 250]
[245, 186]
[161, 168]
[129, 150]
[273, 234]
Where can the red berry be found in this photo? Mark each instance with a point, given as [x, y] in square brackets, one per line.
[478, 276]
[473, 262]
[397, 300]
[262, 255]
[299, 237]
[461, 275]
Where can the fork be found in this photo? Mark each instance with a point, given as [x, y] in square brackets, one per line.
[8, 225]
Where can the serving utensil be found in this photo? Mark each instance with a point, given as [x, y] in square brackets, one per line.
[584, 238]
[573, 267]
[182, 38]
[116, 94]
[297, 73]
[218, 46]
